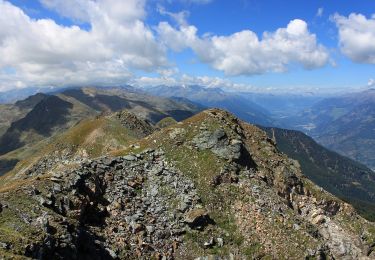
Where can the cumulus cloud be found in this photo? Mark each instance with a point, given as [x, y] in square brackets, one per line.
[42, 52]
[243, 53]
[357, 37]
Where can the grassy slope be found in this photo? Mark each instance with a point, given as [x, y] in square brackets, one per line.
[165, 122]
[90, 138]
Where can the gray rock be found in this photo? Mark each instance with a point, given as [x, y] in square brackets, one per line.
[154, 191]
[219, 143]
[156, 170]
[296, 227]
[54, 179]
[57, 188]
[210, 243]
[111, 253]
[5, 245]
[130, 158]
[150, 229]
[45, 202]
[44, 223]
[183, 206]
[220, 242]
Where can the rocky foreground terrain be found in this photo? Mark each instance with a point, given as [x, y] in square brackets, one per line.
[210, 187]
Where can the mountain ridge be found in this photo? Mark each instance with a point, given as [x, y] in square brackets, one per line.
[239, 198]
[216, 97]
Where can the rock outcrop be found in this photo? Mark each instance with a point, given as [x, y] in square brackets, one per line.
[134, 124]
[139, 203]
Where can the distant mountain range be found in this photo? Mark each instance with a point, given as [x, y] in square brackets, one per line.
[345, 124]
[11, 96]
[283, 106]
[240, 105]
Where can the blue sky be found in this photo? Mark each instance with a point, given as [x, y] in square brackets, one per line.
[323, 44]
[226, 17]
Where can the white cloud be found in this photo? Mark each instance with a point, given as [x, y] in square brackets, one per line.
[371, 83]
[357, 37]
[180, 17]
[88, 10]
[231, 86]
[320, 12]
[44, 53]
[79, 12]
[40, 52]
[168, 72]
[188, 80]
[243, 53]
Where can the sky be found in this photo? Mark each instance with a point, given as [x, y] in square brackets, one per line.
[254, 45]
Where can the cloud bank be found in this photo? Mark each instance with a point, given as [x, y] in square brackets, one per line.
[243, 53]
[42, 52]
[357, 37]
[110, 40]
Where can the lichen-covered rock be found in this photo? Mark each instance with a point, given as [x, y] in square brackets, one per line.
[219, 143]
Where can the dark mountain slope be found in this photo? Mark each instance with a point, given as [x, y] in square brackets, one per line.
[31, 101]
[13, 112]
[48, 114]
[337, 174]
[148, 107]
[99, 102]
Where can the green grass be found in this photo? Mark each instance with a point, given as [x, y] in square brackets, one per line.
[13, 230]
[166, 122]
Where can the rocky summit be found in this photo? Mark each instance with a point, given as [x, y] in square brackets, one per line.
[209, 187]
